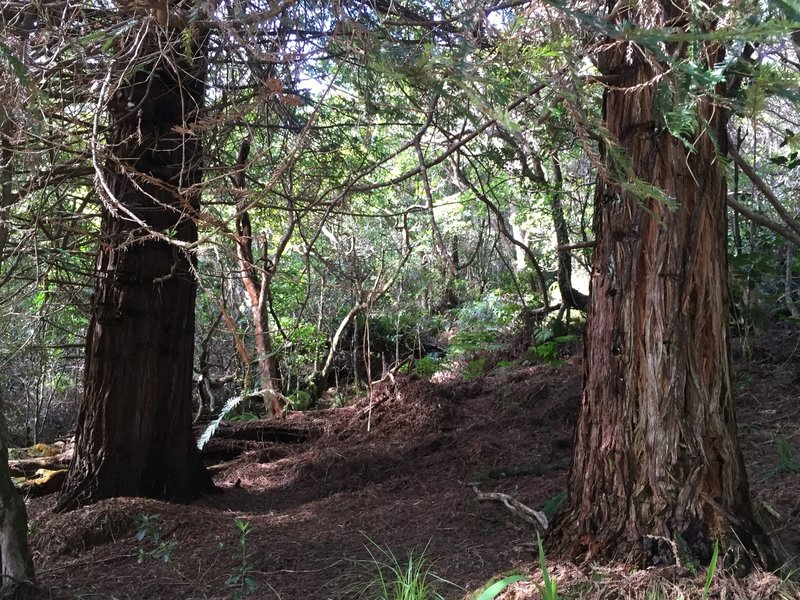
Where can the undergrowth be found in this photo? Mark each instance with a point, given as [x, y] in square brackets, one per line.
[149, 534]
[619, 582]
[241, 579]
[388, 577]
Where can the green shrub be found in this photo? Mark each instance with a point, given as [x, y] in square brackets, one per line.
[483, 323]
[299, 400]
[546, 346]
[426, 367]
[474, 369]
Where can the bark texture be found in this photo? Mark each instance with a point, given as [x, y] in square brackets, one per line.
[134, 435]
[16, 565]
[657, 473]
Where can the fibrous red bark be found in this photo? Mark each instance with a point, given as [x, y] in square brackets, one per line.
[657, 473]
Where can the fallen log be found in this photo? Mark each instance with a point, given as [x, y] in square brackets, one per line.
[267, 431]
[27, 467]
[45, 482]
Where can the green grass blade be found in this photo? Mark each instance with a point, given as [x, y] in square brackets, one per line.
[493, 590]
[712, 568]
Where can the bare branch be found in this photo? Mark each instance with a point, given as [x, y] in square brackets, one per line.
[762, 186]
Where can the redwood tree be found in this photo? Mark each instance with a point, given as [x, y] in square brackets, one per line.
[134, 434]
[656, 467]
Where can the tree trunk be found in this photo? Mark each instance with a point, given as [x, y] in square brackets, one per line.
[258, 291]
[737, 230]
[16, 566]
[570, 297]
[657, 473]
[134, 435]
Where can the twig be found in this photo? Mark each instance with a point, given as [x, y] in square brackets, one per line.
[517, 508]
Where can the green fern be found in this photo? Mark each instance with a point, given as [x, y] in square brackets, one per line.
[214, 425]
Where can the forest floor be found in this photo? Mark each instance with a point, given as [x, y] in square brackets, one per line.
[318, 504]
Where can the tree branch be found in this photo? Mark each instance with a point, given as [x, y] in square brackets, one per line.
[764, 221]
[762, 186]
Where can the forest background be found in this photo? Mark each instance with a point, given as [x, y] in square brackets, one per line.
[354, 190]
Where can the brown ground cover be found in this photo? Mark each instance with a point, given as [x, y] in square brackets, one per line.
[399, 476]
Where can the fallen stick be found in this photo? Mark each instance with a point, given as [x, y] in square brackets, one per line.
[516, 507]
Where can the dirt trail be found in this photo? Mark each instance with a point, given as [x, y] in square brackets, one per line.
[315, 506]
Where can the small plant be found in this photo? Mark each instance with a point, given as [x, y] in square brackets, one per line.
[467, 343]
[546, 346]
[242, 575]
[685, 557]
[150, 532]
[654, 593]
[339, 400]
[391, 579]
[787, 575]
[505, 364]
[474, 369]
[548, 590]
[712, 568]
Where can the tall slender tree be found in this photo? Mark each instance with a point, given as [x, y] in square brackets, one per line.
[16, 564]
[134, 432]
[656, 467]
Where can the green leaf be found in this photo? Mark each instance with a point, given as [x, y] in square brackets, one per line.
[712, 568]
[551, 507]
[494, 590]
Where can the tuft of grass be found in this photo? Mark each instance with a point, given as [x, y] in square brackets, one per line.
[712, 568]
[392, 578]
[548, 589]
